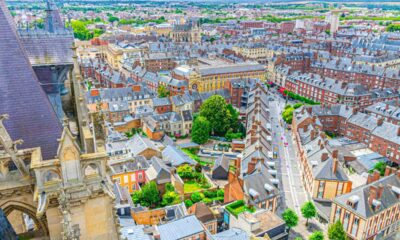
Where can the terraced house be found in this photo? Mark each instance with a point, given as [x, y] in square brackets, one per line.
[322, 175]
[370, 211]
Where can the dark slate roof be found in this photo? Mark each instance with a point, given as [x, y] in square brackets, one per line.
[363, 208]
[48, 49]
[31, 116]
[325, 171]
[222, 161]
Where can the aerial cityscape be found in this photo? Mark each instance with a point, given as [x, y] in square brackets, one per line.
[199, 120]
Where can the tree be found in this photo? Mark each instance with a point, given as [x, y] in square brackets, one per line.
[149, 196]
[169, 198]
[200, 130]
[169, 187]
[215, 110]
[308, 211]
[336, 231]
[290, 217]
[112, 19]
[196, 197]
[162, 91]
[233, 121]
[188, 203]
[317, 235]
[80, 30]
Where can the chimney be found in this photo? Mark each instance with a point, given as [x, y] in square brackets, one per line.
[389, 170]
[334, 166]
[250, 167]
[321, 146]
[380, 191]
[376, 175]
[373, 192]
[398, 173]
[314, 119]
[335, 154]
[324, 157]
[354, 110]
[313, 134]
[379, 122]
[370, 178]
[398, 131]
[305, 128]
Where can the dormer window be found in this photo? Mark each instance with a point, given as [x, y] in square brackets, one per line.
[253, 193]
[353, 201]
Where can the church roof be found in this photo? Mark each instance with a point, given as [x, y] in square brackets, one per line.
[32, 118]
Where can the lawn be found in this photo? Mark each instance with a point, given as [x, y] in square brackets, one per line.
[191, 186]
[238, 207]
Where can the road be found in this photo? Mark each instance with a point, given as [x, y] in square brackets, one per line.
[293, 194]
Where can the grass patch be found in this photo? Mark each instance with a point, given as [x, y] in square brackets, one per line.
[191, 186]
[238, 207]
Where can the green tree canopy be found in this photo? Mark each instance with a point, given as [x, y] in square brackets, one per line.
[317, 235]
[200, 130]
[290, 217]
[308, 211]
[162, 91]
[149, 196]
[112, 19]
[336, 231]
[188, 203]
[215, 110]
[196, 197]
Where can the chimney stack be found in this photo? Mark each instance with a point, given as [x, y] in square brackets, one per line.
[314, 119]
[398, 131]
[373, 177]
[379, 121]
[250, 167]
[354, 110]
[373, 194]
[335, 165]
[305, 128]
[313, 134]
[324, 157]
[335, 154]
[389, 170]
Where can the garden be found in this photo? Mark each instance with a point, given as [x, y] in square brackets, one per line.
[238, 207]
[207, 197]
[194, 180]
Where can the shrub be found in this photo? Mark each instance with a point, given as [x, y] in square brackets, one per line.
[220, 193]
[207, 200]
[188, 203]
[210, 194]
[196, 197]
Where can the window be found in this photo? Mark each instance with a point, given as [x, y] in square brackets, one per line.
[133, 178]
[118, 180]
[140, 176]
[134, 187]
[337, 213]
[321, 189]
[346, 221]
[355, 226]
[126, 179]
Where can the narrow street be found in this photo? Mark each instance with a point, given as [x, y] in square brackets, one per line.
[293, 193]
